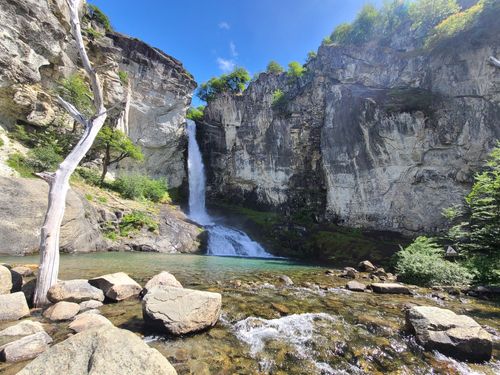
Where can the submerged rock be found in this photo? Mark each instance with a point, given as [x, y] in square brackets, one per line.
[284, 279]
[25, 348]
[104, 351]
[88, 320]
[180, 311]
[117, 286]
[24, 328]
[356, 286]
[13, 306]
[62, 311]
[366, 266]
[74, 291]
[390, 288]
[163, 279]
[457, 336]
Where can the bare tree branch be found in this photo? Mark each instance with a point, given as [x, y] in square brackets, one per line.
[75, 113]
[494, 61]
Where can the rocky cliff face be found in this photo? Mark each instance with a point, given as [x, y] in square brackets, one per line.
[37, 50]
[375, 137]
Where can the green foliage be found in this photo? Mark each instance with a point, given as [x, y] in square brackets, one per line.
[90, 176]
[100, 17]
[455, 23]
[135, 221]
[76, 91]
[141, 187]
[295, 70]
[392, 18]
[477, 231]
[274, 68]
[426, 14]
[360, 31]
[196, 114]
[422, 263]
[43, 158]
[94, 34]
[119, 144]
[123, 77]
[1, 142]
[341, 34]
[18, 163]
[234, 82]
[311, 55]
[89, 197]
[279, 99]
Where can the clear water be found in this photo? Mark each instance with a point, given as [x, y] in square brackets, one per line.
[222, 241]
[315, 326]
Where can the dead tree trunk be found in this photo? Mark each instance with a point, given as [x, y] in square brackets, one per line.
[494, 61]
[59, 181]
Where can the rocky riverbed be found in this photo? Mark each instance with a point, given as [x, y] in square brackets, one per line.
[276, 317]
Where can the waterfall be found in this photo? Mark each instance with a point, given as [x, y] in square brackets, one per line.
[222, 241]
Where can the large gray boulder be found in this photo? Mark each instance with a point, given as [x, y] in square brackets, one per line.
[13, 306]
[74, 291]
[104, 351]
[117, 286]
[25, 348]
[5, 280]
[89, 305]
[457, 336]
[163, 279]
[180, 311]
[62, 311]
[23, 328]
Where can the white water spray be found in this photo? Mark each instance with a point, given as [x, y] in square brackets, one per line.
[222, 240]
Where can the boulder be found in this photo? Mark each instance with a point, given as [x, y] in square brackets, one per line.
[17, 281]
[162, 279]
[25, 348]
[74, 291]
[457, 336]
[366, 266]
[349, 273]
[117, 286]
[62, 311]
[5, 280]
[390, 288]
[28, 289]
[356, 286]
[102, 350]
[380, 272]
[13, 306]
[23, 328]
[23, 271]
[180, 311]
[86, 321]
[89, 305]
[285, 280]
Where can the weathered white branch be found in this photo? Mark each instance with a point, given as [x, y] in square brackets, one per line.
[494, 61]
[59, 181]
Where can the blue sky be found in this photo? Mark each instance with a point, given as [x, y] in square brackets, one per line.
[212, 36]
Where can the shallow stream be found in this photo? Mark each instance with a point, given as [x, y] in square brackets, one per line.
[313, 327]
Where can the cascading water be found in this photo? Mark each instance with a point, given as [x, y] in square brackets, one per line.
[222, 240]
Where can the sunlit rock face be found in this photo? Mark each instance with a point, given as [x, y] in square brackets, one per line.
[37, 51]
[372, 137]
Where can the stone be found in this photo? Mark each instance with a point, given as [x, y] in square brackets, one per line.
[74, 291]
[457, 336]
[17, 281]
[89, 305]
[13, 306]
[284, 279]
[390, 288]
[5, 280]
[23, 271]
[356, 286]
[164, 278]
[380, 272]
[88, 320]
[25, 348]
[180, 311]
[117, 286]
[28, 289]
[350, 273]
[282, 309]
[104, 350]
[366, 266]
[61, 311]
[23, 328]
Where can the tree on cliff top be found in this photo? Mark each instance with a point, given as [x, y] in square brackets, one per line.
[234, 82]
[59, 180]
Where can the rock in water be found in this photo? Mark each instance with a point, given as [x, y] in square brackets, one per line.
[117, 286]
[164, 278]
[5, 280]
[180, 311]
[62, 311]
[390, 288]
[457, 336]
[26, 348]
[349, 273]
[285, 280]
[366, 266]
[23, 271]
[356, 286]
[103, 351]
[86, 321]
[13, 306]
[24, 328]
[74, 291]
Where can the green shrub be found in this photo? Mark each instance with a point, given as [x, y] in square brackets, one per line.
[141, 187]
[422, 263]
[425, 14]
[279, 99]
[100, 17]
[90, 176]
[234, 82]
[135, 221]
[341, 33]
[196, 114]
[123, 77]
[44, 158]
[295, 70]
[17, 162]
[89, 197]
[76, 91]
[274, 68]
[94, 34]
[102, 199]
[1, 142]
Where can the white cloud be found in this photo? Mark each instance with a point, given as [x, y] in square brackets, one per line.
[225, 65]
[224, 25]
[232, 47]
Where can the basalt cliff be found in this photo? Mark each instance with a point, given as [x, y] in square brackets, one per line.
[380, 136]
